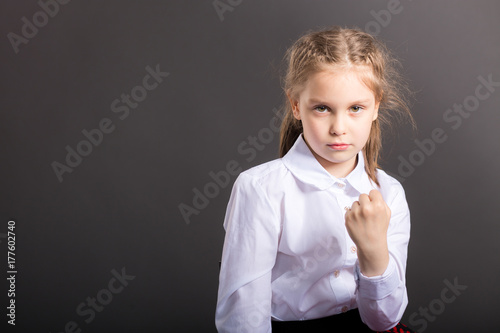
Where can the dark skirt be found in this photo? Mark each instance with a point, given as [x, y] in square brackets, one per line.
[349, 321]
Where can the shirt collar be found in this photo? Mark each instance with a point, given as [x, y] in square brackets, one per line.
[304, 166]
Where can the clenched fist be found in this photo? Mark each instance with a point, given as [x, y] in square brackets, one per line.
[367, 222]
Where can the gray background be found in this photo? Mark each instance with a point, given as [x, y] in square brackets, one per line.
[120, 207]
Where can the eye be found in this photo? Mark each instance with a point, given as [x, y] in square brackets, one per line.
[356, 109]
[321, 108]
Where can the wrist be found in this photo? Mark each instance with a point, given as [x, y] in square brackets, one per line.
[374, 262]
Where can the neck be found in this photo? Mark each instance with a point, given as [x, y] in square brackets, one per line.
[339, 170]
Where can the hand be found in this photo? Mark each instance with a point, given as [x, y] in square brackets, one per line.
[367, 222]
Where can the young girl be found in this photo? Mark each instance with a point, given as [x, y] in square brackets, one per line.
[317, 240]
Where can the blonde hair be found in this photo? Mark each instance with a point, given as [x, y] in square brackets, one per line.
[346, 48]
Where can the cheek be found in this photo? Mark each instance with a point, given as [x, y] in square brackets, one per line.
[364, 131]
[316, 127]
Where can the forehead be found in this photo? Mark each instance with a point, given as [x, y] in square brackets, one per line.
[338, 85]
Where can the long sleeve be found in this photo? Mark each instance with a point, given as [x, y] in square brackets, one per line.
[382, 300]
[250, 247]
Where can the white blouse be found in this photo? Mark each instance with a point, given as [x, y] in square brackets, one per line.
[287, 254]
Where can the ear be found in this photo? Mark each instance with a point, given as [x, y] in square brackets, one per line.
[375, 113]
[294, 104]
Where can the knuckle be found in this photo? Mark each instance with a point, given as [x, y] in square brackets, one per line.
[368, 210]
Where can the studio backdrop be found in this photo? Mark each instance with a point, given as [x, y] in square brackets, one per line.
[125, 123]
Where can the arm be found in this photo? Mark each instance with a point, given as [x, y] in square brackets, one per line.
[381, 295]
[249, 254]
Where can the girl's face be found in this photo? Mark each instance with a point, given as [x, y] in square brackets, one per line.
[337, 111]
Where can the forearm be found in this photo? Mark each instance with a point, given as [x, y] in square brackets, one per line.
[373, 261]
[382, 296]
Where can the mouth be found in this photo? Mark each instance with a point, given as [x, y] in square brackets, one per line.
[338, 146]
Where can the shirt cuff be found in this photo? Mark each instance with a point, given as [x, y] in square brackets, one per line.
[378, 287]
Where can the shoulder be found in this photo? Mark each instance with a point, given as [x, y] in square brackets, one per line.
[263, 173]
[252, 201]
[387, 180]
[255, 190]
[264, 169]
[390, 187]
[267, 179]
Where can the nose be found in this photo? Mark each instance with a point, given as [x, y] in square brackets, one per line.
[338, 124]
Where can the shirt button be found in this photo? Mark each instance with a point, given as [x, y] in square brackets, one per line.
[344, 309]
[340, 185]
[353, 249]
[336, 274]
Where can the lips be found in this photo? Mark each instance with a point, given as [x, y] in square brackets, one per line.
[339, 146]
